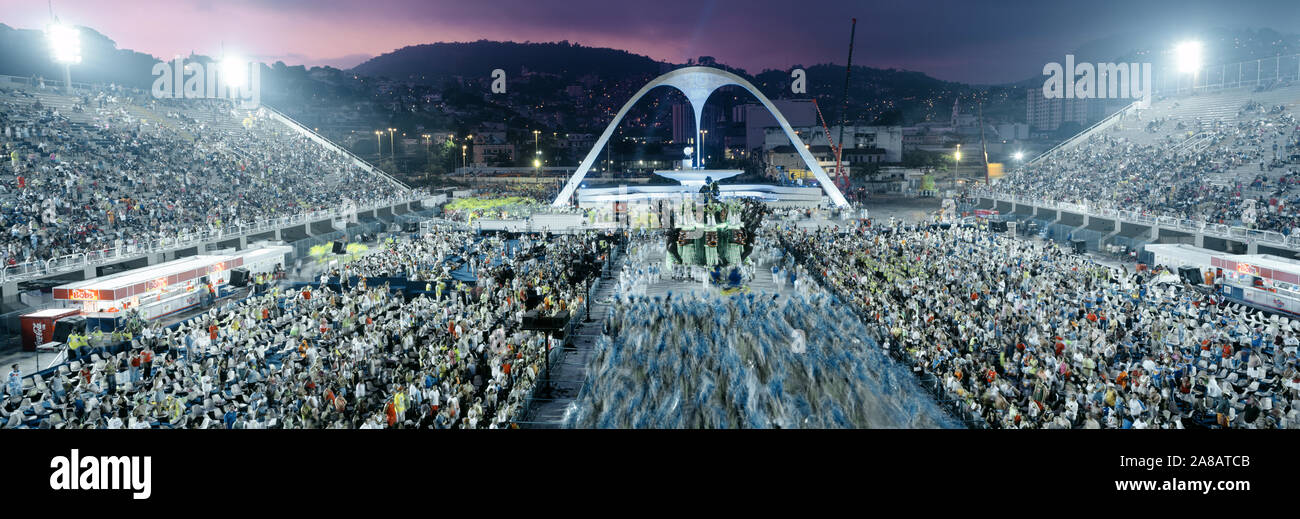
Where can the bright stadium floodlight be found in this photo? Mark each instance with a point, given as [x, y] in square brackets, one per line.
[65, 43]
[234, 71]
[1187, 55]
[65, 47]
[1018, 156]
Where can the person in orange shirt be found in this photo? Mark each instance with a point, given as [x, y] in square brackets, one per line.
[212, 332]
[391, 411]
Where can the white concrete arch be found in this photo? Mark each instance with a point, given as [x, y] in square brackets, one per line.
[697, 83]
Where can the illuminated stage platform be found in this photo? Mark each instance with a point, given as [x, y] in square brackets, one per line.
[697, 177]
[774, 195]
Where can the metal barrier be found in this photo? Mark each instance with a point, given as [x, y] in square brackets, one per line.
[312, 134]
[1177, 223]
[72, 262]
[1084, 135]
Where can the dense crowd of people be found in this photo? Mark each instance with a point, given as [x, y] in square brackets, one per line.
[133, 169]
[742, 361]
[340, 354]
[1026, 335]
[1188, 171]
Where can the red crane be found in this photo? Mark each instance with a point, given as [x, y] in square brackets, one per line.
[842, 181]
[829, 140]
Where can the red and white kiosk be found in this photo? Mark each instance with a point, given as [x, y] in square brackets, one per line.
[166, 288]
[1262, 280]
[38, 327]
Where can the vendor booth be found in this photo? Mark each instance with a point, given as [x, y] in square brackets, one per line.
[164, 289]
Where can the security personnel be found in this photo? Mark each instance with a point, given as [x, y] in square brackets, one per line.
[74, 344]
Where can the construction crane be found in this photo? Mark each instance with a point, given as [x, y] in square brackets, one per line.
[830, 141]
[842, 180]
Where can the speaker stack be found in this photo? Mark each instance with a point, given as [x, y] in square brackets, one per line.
[239, 277]
[67, 326]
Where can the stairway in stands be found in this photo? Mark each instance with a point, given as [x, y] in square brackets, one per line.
[53, 100]
[1222, 105]
[160, 119]
[567, 375]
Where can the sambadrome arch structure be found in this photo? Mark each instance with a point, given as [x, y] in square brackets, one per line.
[698, 83]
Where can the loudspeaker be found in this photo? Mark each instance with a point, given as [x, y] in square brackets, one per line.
[1190, 275]
[532, 322]
[998, 226]
[340, 247]
[68, 325]
[239, 277]
[1080, 246]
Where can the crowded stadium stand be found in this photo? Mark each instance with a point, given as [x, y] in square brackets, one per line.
[112, 173]
[632, 308]
[1219, 164]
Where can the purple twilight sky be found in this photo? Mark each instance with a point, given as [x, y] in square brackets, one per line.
[971, 41]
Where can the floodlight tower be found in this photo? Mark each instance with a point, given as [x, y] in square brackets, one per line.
[65, 45]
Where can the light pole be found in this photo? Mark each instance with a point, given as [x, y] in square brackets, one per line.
[463, 148]
[704, 135]
[379, 144]
[956, 157]
[428, 159]
[469, 139]
[537, 151]
[391, 147]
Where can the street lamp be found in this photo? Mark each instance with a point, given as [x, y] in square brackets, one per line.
[65, 44]
[463, 147]
[428, 159]
[956, 156]
[537, 150]
[704, 135]
[379, 143]
[391, 147]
